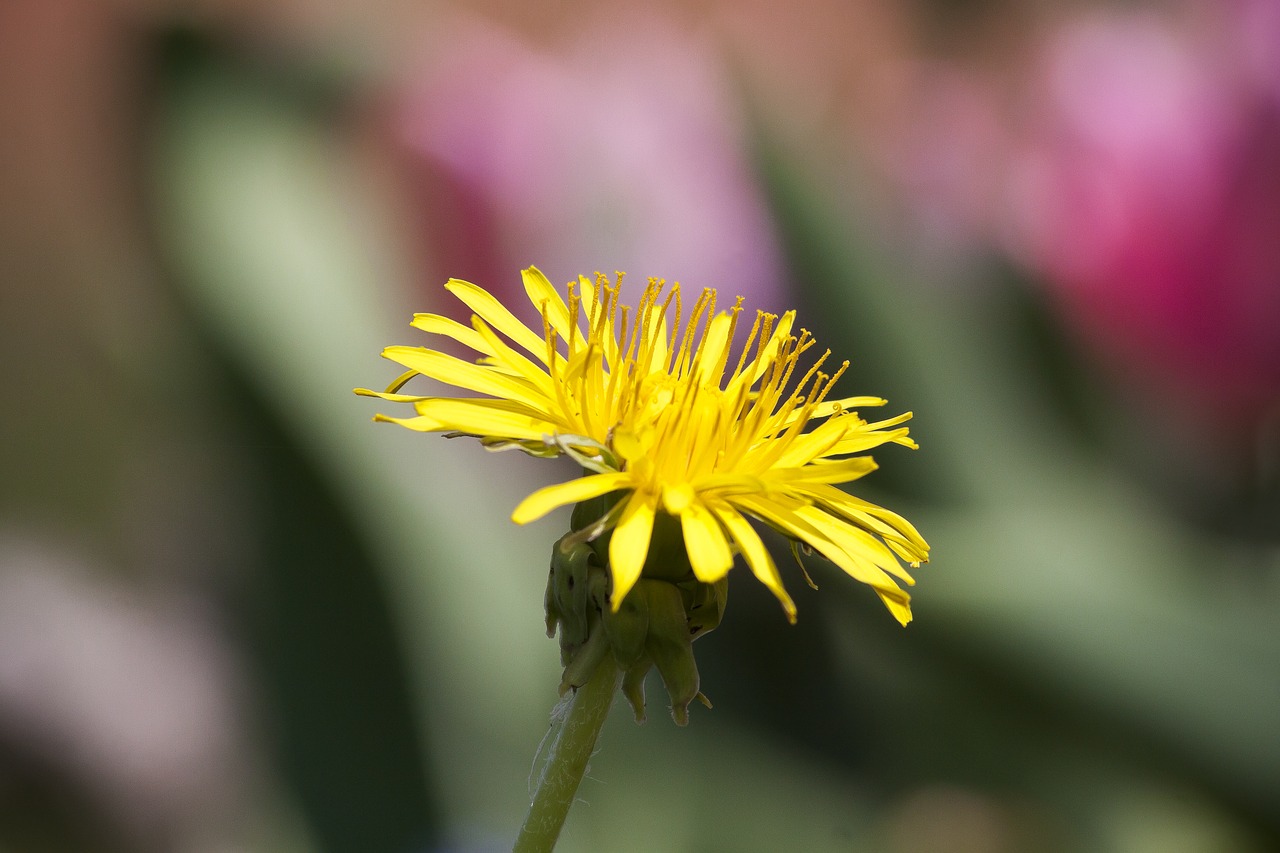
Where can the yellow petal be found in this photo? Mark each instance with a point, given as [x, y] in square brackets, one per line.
[757, 555]
[820, 442]
[436, 325]
[633, 445]
[823, 472]
[791, 522]
[899, 605]
[888, 422]
[859, 441]
[542, 293]
[630, 545]
[830, 407]
[856, 542]
[473, 377]
[496, 314]
[546, 499]
[420, 424]
[705, 542]
[882, 521]
[730, 484]
[653, 357]
[496, 418]
[514, 362]
[712, 349]
[677, 499]
[392, 398]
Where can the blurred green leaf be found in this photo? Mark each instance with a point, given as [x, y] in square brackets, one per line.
[317, 615]
[1056, 570]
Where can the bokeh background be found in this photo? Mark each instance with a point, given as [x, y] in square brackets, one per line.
[236, 615]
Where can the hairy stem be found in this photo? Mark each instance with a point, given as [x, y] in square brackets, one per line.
[567, 760]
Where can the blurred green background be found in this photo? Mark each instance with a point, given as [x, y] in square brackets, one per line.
[236, 615]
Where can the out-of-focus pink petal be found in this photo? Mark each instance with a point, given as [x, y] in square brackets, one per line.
[1148, 193]
[622, 150]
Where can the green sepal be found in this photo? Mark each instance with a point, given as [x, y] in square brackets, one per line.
[627, 628]
[655, 625]
[670, 646]
[589, 656]
[705, 604]
[567, 598]
[633, 686]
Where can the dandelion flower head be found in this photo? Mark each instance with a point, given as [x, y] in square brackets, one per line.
[650, 403]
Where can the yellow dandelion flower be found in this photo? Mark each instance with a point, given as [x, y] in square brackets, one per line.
[646, 402]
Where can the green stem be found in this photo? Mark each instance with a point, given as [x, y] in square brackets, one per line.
[567, 760]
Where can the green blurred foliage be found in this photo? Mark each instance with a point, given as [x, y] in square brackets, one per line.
[312, 605]
[1085, 672]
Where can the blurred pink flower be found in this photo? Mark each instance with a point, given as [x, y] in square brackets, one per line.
[130, 692]
[945, 152]
[1148, 193]
[621, 151]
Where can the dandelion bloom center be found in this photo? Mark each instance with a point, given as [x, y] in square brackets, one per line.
[652, 405]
